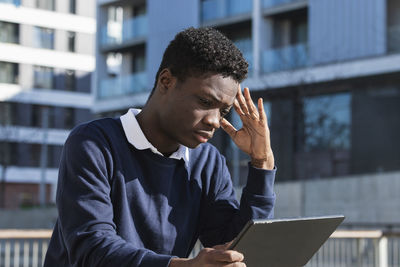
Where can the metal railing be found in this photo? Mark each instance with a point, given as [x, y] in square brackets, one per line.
[345, 248]
[285, 58]
[123, 85]
[359, 248]
[25, 248]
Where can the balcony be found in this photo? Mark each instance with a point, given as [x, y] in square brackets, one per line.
[131, 29]
[285, 58]
[219, 9]
[274, 3]
[393, 39]
[245, 46]
[14, 2]
[123, 85]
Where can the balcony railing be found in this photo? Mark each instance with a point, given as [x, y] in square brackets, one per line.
[123, 85]
[273, 3]
[23, 247]
[347, 248]
[393, 39]
[14, 2]
[218, 9]
[285, 58]
[131, 29]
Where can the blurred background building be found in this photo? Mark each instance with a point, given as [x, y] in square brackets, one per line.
[46, 61]
[327, 70]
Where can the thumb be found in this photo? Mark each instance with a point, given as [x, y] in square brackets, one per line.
[223, 246]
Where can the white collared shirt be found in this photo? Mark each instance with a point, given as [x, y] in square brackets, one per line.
[136, 137]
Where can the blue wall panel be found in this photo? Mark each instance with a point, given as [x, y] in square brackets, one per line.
[346, 29]
[166, 18]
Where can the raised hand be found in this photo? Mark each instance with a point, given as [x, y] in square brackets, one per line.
[254, 136]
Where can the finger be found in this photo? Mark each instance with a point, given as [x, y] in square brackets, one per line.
[261, 111]
[250, 104]
[237, 108]
[223, 246]
[228, 128]
[242, 102]
[235, 264]
[227, 256]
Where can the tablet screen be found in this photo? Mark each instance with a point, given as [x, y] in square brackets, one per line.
[284, 242]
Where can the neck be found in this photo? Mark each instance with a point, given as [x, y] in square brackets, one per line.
[149, 122]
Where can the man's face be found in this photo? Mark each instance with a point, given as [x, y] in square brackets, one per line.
[192, 109]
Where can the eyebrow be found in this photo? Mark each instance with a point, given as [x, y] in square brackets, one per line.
[214, 98]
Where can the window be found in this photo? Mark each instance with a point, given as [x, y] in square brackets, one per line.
[324, 136]
[53, 156]
[72, 6]
[8, 72]
[393, 26]
[71, 41]
[327, 122]
[9, 32]
[36, 150]
[138, 62]
[45, 4]
[43, 77]
[70, 80]
[69, 119]
[44, 38]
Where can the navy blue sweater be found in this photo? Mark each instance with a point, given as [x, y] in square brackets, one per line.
[119, 206]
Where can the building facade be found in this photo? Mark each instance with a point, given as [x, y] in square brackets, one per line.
[46, 61]
[328, 72]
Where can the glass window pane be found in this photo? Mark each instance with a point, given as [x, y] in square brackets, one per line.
[71, 41]
[8, 72]
[327, 122]
[72, 6]
[9, 32]
[43, 77]
[44, 38]
[70, 80]
[45, 4]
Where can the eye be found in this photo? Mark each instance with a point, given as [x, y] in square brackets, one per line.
[225, 112]
[205, 102]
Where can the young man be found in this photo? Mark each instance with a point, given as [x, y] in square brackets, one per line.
[139, 190]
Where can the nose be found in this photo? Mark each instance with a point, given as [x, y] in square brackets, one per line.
[213, 118]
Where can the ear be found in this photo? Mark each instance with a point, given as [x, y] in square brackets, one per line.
[165, 80]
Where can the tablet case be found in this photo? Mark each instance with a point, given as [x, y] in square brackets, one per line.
[284, 242]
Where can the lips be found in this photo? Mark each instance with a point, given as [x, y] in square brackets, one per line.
[203, 136]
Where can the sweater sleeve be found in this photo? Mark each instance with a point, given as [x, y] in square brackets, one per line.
[86, 211]
[225, 216]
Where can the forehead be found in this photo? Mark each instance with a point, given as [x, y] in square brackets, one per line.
[224, 89]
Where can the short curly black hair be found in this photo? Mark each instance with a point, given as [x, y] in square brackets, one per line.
[196, 51]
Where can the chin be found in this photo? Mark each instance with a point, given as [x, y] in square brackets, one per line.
[191, 143]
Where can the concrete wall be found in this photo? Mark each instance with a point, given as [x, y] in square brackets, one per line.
[28, 219]
[363, 199]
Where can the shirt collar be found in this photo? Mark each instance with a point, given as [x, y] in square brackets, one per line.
[136, 137]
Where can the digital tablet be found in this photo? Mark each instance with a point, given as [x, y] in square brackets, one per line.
[284, 242]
